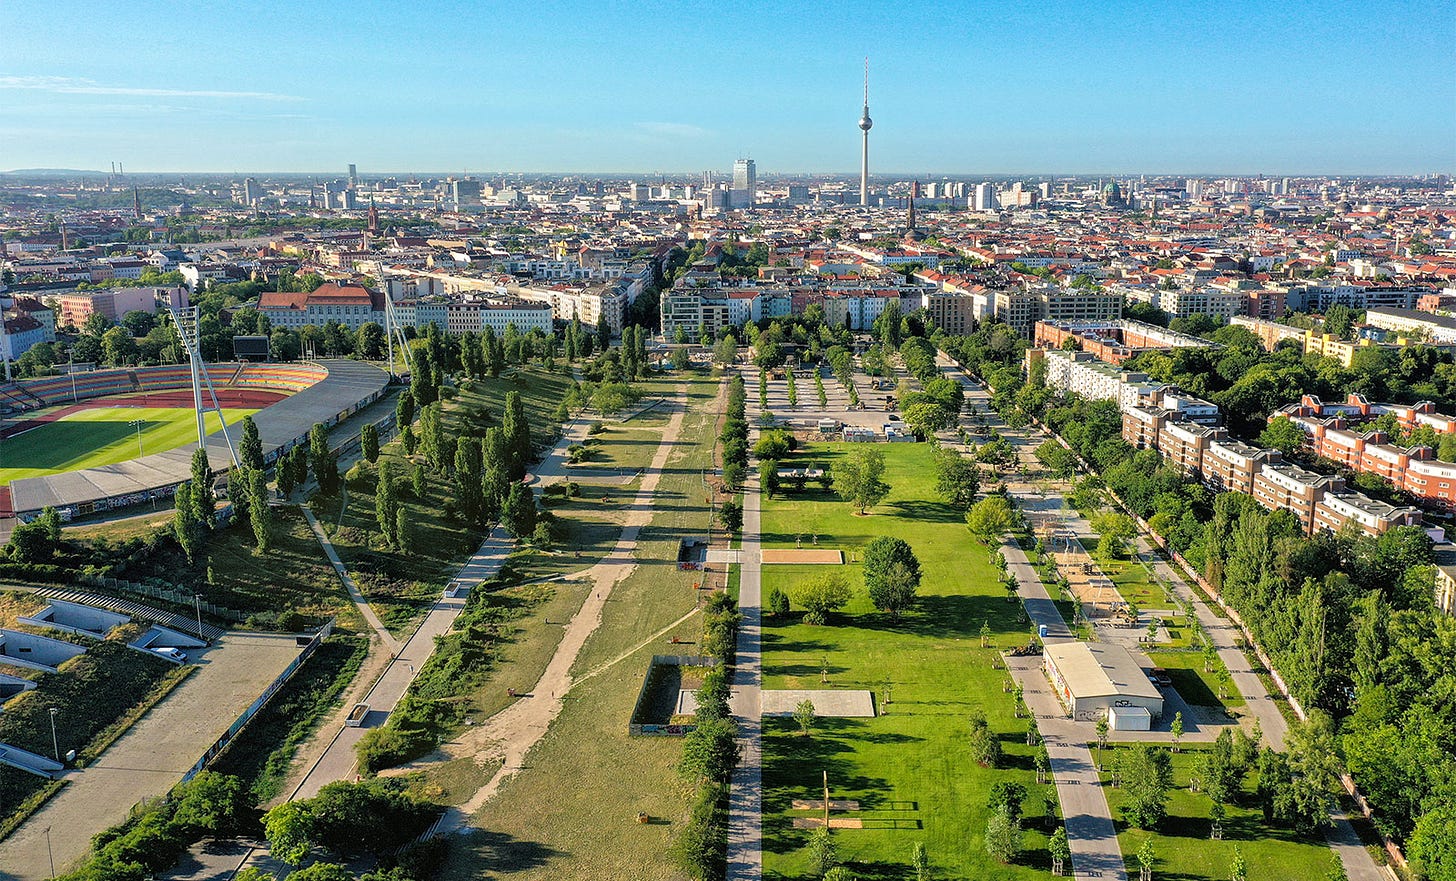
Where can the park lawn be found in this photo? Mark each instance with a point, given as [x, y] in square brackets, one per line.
[572, 813]
[1184, 850]
[625, 449]
[910, 768]
[1196, 687]
[102, 436]
[542, 391]
[1133, 582]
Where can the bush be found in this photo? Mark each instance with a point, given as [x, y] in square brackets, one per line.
[777, 603]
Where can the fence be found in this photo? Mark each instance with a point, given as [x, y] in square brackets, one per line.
[158, 592]
[247, 715]
[1392, 850]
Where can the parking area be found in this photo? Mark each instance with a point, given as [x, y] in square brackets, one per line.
[151, 757]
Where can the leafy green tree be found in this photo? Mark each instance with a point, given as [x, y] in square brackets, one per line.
[185, 526]
[768, 477]
[777, 602]
[250, 448]
[859, 479]
[804, 714]
[985, 746]
[203, 499]
[823, 853]
[404, 532]
[517, 435]
[989, 518]
[957, 479]
[212, 804]
[519, 514]
[920, 861]
[1004, 839]
[322, 872]
[1282, 434]
[260, 515]
[730, 514]
[1147, 775]
[289, 828]
[710, 751]
[820, 595]
[369, 443]
[1432, 847]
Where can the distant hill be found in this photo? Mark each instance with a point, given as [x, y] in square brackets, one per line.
[50, 172]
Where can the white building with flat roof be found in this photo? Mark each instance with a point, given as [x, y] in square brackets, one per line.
[1092, 678]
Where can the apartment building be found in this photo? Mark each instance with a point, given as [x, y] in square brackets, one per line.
[1184, 443]
[1290, 488]
[1182, 302]
[1333, 510]
[1436, 328]
[952, 312]
[1270, 333]
[74, 307]
[349, 305]
[1140, 426]
[1230, 465]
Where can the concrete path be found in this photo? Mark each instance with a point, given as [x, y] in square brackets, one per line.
[385, 637]
[1342, 838]
[150, 758]
[745, 795]
[1090, 831]
[338, 761]
[510, 734]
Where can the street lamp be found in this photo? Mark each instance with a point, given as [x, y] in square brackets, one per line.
[50, 855]
[55, 743]
[197, 604]
[137, 424]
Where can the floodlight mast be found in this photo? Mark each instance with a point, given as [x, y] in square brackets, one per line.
[185, 320]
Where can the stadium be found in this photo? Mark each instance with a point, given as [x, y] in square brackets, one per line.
[88, 442]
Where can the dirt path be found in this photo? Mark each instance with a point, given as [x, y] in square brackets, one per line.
[510, 734]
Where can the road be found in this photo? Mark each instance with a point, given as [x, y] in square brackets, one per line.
[1342, 837]
[745, 795]
[150, 758]
[338, 760]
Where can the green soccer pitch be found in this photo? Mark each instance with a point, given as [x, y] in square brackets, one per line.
[101, 436]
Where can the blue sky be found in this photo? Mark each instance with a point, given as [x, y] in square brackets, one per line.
[610, 86]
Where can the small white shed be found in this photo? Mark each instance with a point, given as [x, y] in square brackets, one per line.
[1129, 719]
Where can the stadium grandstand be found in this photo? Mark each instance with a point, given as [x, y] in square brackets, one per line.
[294, 398]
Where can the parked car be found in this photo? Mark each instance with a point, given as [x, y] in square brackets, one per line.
[172, 654]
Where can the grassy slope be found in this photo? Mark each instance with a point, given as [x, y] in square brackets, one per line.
[100, 436]
[909, 767]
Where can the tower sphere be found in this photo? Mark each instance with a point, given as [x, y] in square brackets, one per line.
[865, 122]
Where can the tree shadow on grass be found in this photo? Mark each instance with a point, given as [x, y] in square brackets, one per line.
[497, 855]
[928, 512]
[942, 617]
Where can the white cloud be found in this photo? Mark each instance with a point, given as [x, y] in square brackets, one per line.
[674, 129]
[74, 86]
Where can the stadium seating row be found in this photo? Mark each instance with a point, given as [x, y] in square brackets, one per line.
[29, 394]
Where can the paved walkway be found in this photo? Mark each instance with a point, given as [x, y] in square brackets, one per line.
[1342, 838]
[745, 795]
[150, 758]
[355, 594]
[510, 734]
[338, 761]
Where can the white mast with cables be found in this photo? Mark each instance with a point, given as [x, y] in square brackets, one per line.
[185, 320]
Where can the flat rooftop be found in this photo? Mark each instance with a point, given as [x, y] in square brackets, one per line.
[1099, 669]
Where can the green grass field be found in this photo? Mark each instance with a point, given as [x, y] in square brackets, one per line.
[101, 436]
[910, 768]
[1184, 850]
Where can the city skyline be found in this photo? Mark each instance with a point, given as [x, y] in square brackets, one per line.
[1057, 90]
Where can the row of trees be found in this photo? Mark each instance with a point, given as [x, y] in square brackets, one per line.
[1347, 618]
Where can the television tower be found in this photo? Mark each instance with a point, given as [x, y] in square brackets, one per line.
[865, 123]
